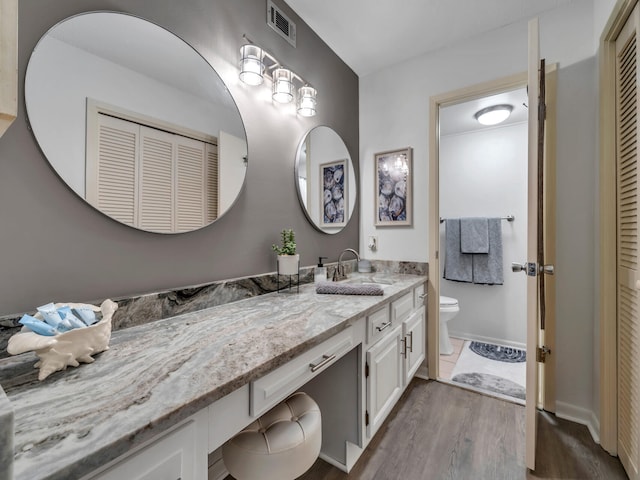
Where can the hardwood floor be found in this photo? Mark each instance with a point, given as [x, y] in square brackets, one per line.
[438, 431]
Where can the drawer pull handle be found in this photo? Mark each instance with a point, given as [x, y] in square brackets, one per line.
[410, 347]
[422, 296]
[383, 326]
[326, 359]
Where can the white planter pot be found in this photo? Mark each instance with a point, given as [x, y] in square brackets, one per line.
[288, 264]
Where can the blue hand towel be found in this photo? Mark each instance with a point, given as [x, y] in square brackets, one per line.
[458, 266]
[474, 235]
[487, 269]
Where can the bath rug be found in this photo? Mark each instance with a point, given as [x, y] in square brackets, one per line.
[498, 352]
[506, 378]
[492, 383]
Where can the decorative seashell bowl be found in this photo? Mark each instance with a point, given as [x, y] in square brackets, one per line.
[69, 348]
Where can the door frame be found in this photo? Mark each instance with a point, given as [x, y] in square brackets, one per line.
[473, 92]
[608, 238]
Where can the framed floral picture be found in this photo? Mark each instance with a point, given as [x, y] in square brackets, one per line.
[393, 187]
[334, 191]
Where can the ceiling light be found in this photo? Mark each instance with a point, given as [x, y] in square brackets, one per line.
[282, 85]
[251, 64]
[307, 101]
[494, 114]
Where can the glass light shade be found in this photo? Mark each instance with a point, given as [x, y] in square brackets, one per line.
[282, 85]
[251, 65]
[307, 101]
[493, 115]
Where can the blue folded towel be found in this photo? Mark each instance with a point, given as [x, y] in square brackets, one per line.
[474, 235]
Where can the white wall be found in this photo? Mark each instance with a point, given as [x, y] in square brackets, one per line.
[484, 174]
[394, 112]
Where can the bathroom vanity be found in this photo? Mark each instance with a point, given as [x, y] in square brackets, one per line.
[168, 394]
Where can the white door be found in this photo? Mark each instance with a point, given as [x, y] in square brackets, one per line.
[627, 191]
[534, 268]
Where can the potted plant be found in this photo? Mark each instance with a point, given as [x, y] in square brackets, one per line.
[288, 259]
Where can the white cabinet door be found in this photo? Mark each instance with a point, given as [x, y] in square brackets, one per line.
[414, 329]
[384, 382]
[178, 455]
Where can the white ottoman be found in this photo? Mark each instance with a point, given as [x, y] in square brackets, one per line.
[281, 445]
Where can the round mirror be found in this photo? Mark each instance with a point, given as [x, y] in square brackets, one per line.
[326, 179]
[136, 122]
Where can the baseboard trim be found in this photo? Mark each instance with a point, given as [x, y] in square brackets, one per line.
[580, 415]
[480, 338]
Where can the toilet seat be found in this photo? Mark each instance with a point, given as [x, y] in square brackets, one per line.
[448, 301]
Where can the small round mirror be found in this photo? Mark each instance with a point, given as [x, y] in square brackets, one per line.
[326, 179]
[136, 122]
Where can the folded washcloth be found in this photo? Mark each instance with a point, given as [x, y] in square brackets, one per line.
[349, 288]
[474, 235]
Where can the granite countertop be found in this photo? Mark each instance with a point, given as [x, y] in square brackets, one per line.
[157, 374]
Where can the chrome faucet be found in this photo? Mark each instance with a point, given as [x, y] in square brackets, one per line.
[338, 273]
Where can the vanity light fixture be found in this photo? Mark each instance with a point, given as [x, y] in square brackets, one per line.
[493, 115]
[254, 61]
[251, 64]
[282, 85]
[307, 101]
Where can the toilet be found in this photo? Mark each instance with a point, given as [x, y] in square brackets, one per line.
[449, 308]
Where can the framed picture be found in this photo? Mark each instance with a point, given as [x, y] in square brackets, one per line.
[333, 191]
[393, 187]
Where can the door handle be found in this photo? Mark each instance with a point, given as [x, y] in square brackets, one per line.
[518, 267]
[532, 269]
[546, 269]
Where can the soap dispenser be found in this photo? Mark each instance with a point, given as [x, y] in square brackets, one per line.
[320, 273]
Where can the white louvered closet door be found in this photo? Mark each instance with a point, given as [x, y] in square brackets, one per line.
[152, 179]
[212, 183]
[191, 198]
[111, 169]
[156, 194]
[628, 321]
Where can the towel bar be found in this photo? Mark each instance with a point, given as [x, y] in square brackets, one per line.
[508, 218]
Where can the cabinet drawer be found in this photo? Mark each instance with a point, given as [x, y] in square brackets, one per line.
[402, 308]
[378, 324]
[267, 391]
[419, 296]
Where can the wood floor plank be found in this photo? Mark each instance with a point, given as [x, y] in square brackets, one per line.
[443, 432]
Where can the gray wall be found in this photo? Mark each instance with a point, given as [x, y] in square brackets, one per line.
[55, 247]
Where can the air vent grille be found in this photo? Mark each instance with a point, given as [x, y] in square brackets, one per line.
[280, 23]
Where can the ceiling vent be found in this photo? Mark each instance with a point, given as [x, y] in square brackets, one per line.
[283, 26]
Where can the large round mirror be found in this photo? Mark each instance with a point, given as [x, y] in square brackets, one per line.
[136, 122]
[326, 179]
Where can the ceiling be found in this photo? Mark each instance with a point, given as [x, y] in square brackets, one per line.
[370, 35]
